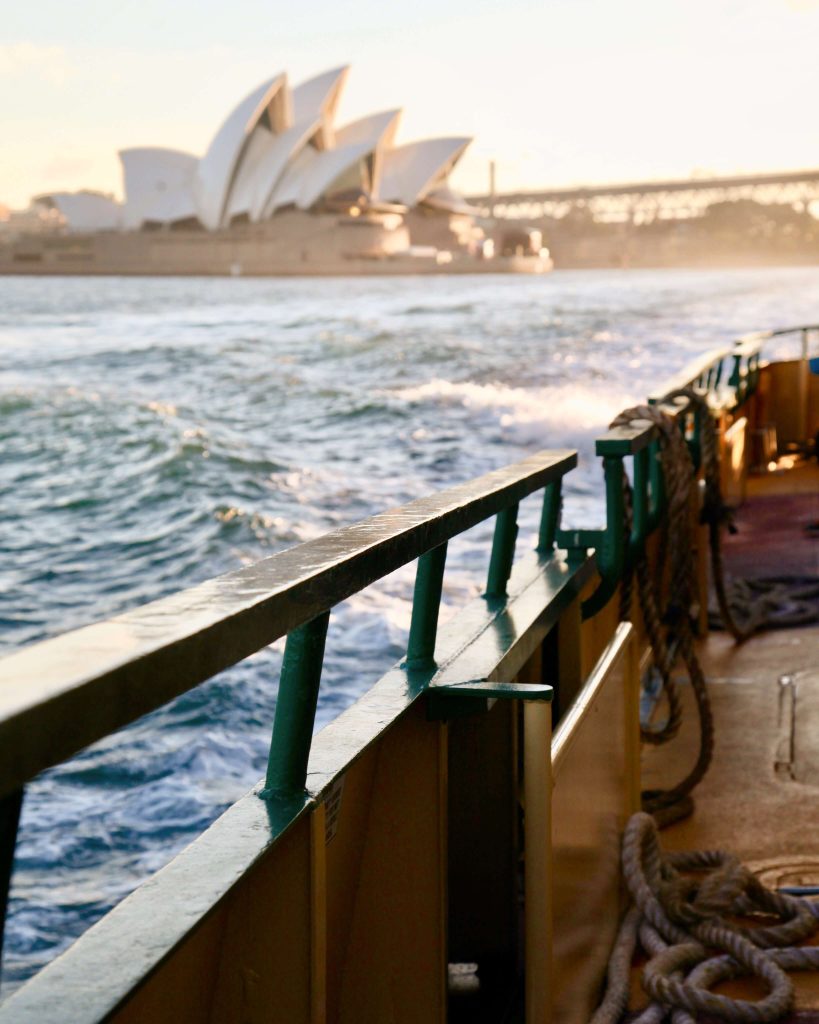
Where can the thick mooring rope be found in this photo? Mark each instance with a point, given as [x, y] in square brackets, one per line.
[687, 906]
[716, 515]
[685, 916]
[671, 616]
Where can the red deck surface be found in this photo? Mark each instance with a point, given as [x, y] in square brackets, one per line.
[771, 538]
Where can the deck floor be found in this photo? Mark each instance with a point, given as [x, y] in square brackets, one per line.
[767, 817]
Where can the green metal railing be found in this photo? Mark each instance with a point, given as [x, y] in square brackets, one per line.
[64, 694]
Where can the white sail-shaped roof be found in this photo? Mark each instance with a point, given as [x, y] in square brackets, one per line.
[263, 166]
[85, 211]
[158, 185]
[219, 166]
[379, 131]
[288, 190]
[318, 98]
[409, 172]
[326, 170]
[314, 173]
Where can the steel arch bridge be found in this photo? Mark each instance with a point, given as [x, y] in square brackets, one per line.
[643, 202]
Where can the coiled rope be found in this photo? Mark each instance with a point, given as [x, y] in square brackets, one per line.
[685, 915]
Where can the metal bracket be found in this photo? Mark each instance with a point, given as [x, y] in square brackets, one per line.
[473, 696]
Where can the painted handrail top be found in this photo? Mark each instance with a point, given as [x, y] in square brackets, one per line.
[626, 440]
[59, 696]
[691, 372]
[757, 337]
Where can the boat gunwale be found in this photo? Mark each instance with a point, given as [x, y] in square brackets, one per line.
[143, 930]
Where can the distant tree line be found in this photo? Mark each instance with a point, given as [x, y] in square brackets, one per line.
[738, 232]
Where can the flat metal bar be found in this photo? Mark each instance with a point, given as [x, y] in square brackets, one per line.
[61, 695]
[426, 605]
[487, 688]
[10, 807]
[296, 710]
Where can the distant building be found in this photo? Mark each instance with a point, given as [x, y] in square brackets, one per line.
[280, 189]
[278, 150]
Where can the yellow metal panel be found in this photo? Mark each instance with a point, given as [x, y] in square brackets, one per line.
[344, 848]
[318, 916]
[537, 774]
[182, 989]
[265, 967]
[788, 400]
[395, 970]
[250, 961]
[734, 461]
[570, 651]
[594, 759]
[595, 633]
[813, 405]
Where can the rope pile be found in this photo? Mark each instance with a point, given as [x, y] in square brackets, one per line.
[686, 918]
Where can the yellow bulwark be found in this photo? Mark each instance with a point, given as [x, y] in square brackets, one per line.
[453, 852]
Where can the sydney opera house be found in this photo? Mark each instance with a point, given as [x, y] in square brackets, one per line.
[280, 188]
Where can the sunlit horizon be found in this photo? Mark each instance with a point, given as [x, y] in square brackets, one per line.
[569, 95]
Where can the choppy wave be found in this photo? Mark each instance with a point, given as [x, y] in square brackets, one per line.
[154, 433]
[562, 414]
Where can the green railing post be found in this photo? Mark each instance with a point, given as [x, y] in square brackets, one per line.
[10, 807]
[735, 380]
[611, 554]
[503, 551]
[656, 482]
[549, 518]
[695, 441]
[640, 516]
[426, 604]
[296, 710]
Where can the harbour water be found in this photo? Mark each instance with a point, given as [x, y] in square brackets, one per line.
[157, 432]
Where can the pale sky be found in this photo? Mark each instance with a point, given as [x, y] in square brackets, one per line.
[558, 92]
